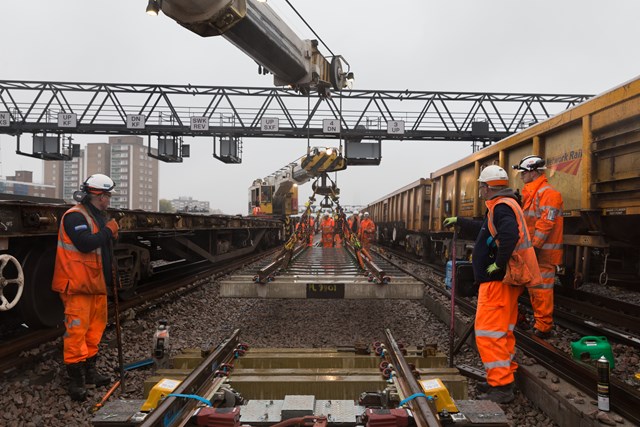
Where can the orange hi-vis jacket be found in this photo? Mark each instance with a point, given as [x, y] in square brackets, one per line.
[542, 206]
[367, 229]
[78, 272]
[327, 227]
[522, 269]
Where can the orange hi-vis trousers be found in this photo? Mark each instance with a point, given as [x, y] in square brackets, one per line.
[541, 297]
[85, 318]
[496, 317]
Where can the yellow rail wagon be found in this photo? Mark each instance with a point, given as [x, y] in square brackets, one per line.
[592, 153]
[402, 218]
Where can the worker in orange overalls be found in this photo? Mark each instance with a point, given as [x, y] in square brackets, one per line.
[307, 224]
[354, 222]
[366, 231]
[256, 210]
[504, 262]
[83, 271]
[327, 228]
[542, 206]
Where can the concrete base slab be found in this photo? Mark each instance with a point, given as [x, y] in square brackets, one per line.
[321, 289]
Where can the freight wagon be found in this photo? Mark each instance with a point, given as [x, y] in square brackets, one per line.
[148, 243]
[592, 153]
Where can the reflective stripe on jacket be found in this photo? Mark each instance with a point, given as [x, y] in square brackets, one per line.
[542, 206]
[78, 272]
[522, 269]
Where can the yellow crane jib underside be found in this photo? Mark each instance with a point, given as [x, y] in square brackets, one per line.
[322, 162]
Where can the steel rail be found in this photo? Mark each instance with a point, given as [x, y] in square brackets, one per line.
[175, 411]
[624, 399]
[422, 412]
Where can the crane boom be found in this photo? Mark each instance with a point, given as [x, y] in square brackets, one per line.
[258, 31]
[277, 193]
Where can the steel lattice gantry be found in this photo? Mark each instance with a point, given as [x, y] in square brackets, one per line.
[186, 110]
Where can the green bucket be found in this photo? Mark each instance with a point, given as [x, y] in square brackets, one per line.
[592, 348]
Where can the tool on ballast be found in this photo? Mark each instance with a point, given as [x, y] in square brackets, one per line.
[452, 320]
[128, 367]
[602, 366]
[161, 345]
[116, 285]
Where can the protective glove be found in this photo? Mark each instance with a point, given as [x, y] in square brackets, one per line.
[450, 222]
[113, 226]
[492, 268]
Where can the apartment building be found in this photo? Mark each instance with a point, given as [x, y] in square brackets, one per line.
[124, 159]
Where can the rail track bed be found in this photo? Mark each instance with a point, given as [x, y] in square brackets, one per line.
[554, 355]
[325, 273]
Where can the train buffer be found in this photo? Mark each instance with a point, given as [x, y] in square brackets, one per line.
[322, 273]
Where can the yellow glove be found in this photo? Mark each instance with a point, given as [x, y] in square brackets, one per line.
[492, 268]
[450, 222]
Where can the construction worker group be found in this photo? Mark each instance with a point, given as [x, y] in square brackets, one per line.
[333, 229]
[518, 247]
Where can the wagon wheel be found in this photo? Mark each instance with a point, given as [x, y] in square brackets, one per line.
[40, 306]
[18, 281]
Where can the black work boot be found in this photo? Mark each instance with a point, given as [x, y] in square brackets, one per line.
[76, 381]
[482, 386]
[91, 373]
[500, 394]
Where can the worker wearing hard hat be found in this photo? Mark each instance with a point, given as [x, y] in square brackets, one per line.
[367, 231]
[542, 206]
[503, 262]
[327, 227]
[84, 270]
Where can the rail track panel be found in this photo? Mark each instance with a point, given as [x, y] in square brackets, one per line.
[149, 243]
[592, 157]
[324, 273]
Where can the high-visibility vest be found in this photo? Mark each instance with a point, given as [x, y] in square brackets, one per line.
[256, 210]
[367, 229]
[542, 206]
[522, 269]
[78, 272]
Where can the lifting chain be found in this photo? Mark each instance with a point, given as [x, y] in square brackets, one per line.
[604, 277]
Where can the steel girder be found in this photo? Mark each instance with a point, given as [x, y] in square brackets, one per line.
[103, 108]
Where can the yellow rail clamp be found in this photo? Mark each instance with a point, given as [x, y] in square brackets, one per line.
[159, 391]
[435, 389]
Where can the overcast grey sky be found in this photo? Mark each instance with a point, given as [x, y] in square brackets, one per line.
[538, 46]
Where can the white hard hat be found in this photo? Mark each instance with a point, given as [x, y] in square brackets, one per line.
[355, 212]
[530, 163]
[98, 183]
[494, 176]
[366, 214]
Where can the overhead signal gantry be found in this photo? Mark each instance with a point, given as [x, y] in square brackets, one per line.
[52, 111]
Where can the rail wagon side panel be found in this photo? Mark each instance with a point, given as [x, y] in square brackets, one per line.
[562, 151]
[616, 158]
[592, 152]
[468, 193]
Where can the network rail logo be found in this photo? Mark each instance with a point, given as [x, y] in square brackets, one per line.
[568, 163]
